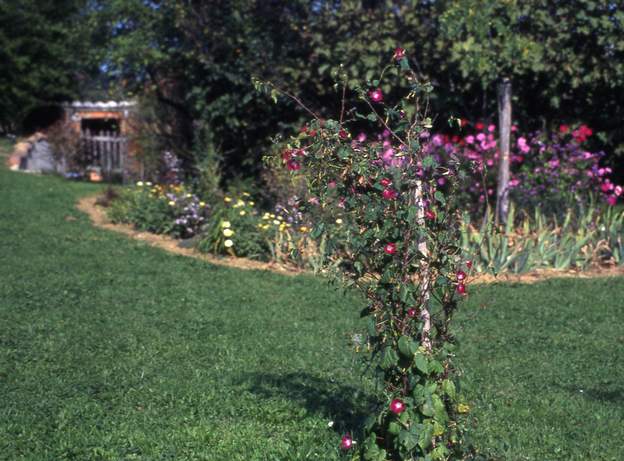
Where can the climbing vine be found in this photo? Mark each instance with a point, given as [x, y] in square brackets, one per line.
[388, 214]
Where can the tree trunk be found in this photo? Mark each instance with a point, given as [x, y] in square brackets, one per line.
[504, 126]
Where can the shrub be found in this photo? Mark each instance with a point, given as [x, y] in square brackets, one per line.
[160, 209]
[551, 171]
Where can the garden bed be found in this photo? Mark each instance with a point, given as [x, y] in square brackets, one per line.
[99, 218]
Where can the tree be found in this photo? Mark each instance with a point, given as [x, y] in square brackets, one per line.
[44, 52]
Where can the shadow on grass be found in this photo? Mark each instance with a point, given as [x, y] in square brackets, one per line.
[345, 405]
[606, 394]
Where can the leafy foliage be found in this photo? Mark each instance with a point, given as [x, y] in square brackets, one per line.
[394, 234]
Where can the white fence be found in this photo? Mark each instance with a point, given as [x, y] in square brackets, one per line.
[106, 150]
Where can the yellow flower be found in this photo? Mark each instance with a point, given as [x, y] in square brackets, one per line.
[338, 221]
[188, 195]
[242, 212]
[303, 229]
[266, 216]
[140, 183]
[239, 203]
[245, 194]
[148, 183]
[228, 232]
[280, 218]
[252, 203]
[463, 408]
[225, 224]
[228, 243]
[171, 203]
[276, 222]
[202, 204]
[227, 199]
[272, 215]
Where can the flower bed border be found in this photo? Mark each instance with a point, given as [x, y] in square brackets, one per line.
[99, 219]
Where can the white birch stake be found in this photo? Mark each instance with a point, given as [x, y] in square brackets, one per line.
[425, 282]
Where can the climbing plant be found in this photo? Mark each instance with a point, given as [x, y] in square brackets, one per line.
[387, 212]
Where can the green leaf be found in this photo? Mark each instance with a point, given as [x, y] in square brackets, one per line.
[408, 440]
[429, 162]
[389, 358]
[424, 439]
[439, 196]
[421, 363]
[394, 428]
[448, 387]
[407, 346]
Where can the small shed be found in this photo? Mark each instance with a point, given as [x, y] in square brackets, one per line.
[105, 129]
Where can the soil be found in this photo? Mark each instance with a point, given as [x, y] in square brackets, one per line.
[164, 242]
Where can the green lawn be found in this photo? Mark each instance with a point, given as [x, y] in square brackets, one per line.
[112, 350]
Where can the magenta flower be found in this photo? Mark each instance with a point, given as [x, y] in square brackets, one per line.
[397, 406]
[390, 248]
[399, 53]
[612, 200]
[389, 194]
[375, 95]
[293, 165]
[346, 442]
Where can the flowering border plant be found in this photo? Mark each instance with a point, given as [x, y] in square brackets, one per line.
[395, 234]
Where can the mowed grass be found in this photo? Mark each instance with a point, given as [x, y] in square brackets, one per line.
[112, 350]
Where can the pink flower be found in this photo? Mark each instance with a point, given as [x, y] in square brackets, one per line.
[361, 137]
[343, 134]
[618, 191]
[612, 200]
[385, 182]
[563, 129]
[397, 406]
[399, 53]
[375, 95]
[437, 140]
[346, 442]
[606, 186]
[470, 139]
[554, 163]
[411, 312]
[389, 194]
[461, 289]
[331, 184]
[522, 145]
[461, 275]
[481, 137]
[390, 248]
[293, 165]
[491, 128]
[388, 155]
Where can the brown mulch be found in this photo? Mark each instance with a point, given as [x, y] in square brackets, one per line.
[99, 219]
